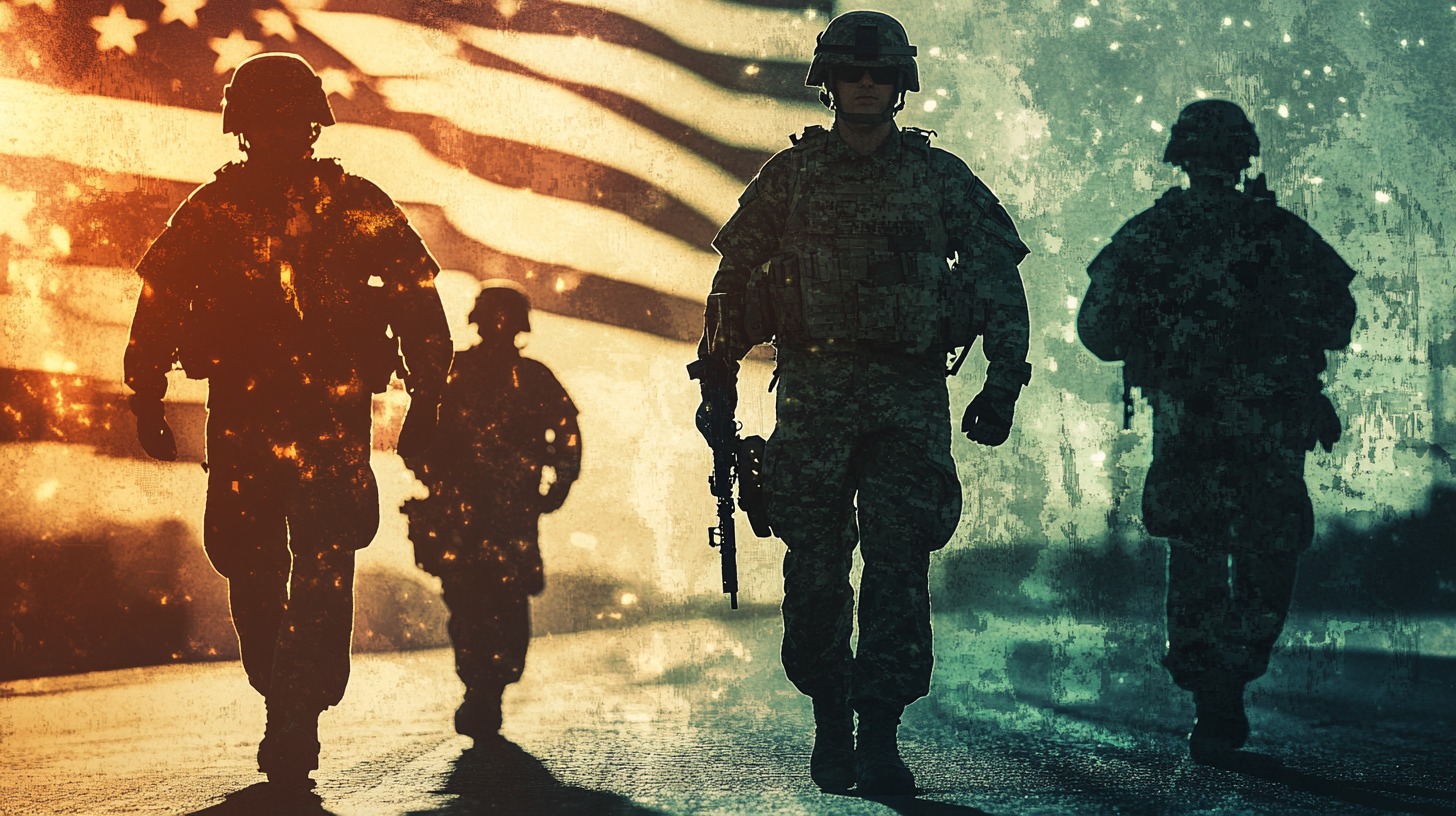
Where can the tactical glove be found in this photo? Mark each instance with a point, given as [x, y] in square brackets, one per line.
[417, 433]
[988, 417]
[153, 432]
[719, 381]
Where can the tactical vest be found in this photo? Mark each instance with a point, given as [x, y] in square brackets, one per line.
[864, 256]
[270, 259]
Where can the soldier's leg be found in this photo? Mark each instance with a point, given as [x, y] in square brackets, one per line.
[909, 505]
[1197, 609]
[333, 510]
[490, 630]
[245, 534]
[1263, 587]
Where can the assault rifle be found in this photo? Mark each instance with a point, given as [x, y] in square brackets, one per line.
[734, 459]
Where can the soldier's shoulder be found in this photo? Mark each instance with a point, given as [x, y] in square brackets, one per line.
[810, 137]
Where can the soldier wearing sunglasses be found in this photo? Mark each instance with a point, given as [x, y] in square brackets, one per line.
[866, 257]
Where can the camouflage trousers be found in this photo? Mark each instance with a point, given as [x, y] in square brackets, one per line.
[285, 514]
[490, 628]
[1225, 613]
[860, 456]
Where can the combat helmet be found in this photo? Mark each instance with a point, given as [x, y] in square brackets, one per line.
[274, 86]
[1212, 133]
[871, 39]
[506, 298]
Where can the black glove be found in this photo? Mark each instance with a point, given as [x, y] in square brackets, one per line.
[988, 417]
[153, 432]
[719, 382]
[417, 433]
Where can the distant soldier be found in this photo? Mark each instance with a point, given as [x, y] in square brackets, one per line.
[292, 287]
[1222, 305]
[509, 450]
[841, 251]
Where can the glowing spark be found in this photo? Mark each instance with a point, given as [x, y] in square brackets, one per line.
[751, 70]
[1356, 347]
[46, 490]
[628, 599]
[1081, 22]
[1228, 21]
[1071, 303]
[117, 30]
[929, 105]
[1382, 196]
[1114, 46]
[1288, 38]
[1099, 457]
[1284, 111]
[1157, 126]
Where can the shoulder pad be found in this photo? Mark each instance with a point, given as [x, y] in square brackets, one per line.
[811, 133]
[917, 138]
[1171, 195]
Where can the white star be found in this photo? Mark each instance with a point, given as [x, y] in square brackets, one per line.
[183, 11]
[15, 207]
[117, 30]
[275, 23]
[337, 81]
[232, 50]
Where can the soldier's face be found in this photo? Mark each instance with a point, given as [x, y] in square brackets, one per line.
[856, 90]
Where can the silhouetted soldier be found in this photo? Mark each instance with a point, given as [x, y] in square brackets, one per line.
[840, 252]
[509, 450]
[1222, 305]
[291, 286]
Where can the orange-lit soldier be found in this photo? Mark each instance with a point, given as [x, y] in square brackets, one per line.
[509, 451]
[292, 287]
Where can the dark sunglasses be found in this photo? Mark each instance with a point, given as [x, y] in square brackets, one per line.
[886, 75]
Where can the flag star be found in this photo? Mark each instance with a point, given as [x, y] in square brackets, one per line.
[183, 11]
[116, 30]
[337, 81]
[15, 207]
[276, 23]
[232, 50]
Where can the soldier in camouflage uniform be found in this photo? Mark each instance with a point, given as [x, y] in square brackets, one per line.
[509, 450]
[291, 286]
[1222, 305]
[841, 251]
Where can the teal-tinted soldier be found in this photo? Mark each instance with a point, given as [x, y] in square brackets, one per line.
[866, 256]
[1221, 305]
[293, 287]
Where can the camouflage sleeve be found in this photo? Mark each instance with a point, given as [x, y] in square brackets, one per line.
[408, 271]
[1334, 305]
[156, 327]
[987, 245]
[752, 234]
[1106, 320]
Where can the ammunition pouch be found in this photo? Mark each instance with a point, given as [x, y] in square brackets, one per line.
[908, 301]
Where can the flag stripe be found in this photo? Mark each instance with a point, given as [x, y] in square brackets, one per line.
[549, 231]
[726, 116]
[755, 50]
[111, 220]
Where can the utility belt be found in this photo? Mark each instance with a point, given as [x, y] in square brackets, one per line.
[911, 302]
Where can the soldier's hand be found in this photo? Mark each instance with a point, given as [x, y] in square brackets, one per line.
[153, 432]
[988, 417]
[719, 382]
[417, 433]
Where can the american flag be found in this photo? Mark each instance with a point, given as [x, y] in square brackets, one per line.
[587, 151]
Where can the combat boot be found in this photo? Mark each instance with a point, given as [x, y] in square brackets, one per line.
[831, 765]
[877, 762]
[290, 748]
[479, 715]
[1220, 726]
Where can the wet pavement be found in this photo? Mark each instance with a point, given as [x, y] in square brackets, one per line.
[1028, 715]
